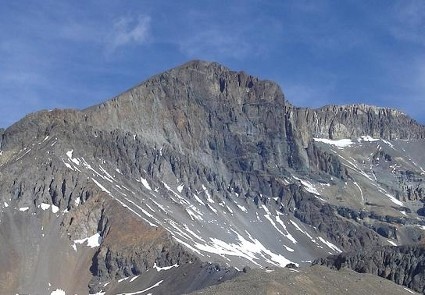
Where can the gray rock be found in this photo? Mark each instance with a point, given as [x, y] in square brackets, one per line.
[403, 265]
[224, 134]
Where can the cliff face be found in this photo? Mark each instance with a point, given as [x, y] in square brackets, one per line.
[204, 163]
[207, 110]
[210, 110]
[353, 121]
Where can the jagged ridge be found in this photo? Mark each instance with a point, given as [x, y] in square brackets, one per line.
[403, 265]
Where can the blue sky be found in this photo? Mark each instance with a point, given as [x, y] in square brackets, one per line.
[74, 54]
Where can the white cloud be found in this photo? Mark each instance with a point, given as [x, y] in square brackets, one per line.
[127, 31]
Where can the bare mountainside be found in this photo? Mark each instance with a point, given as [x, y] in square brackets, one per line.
[194, 174]
[310, 280]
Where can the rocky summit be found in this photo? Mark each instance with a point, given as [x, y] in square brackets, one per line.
[198, 175]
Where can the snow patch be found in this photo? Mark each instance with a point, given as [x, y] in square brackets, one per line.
[55, 209]
[92, 242]
[288, 248]
[361, 191]
[389, 143]
[108, 176]
[194, 213]
[243, 208]
[23, 209]
[68, 166]
[340, 143]
[198, 200]
[308, 186]
[229, 209]
[58, 292]
[164, 268]
[180, 188]
[145, 183]
[330, 245]
[143, 291]
[367, 138]
[182, 200]
[250, 249]
[212, 209]
[394, 200]
[69, 155]
[299, 229]
[209, 198]
[287, 235]
[392, 243]
[133, 279]
[123, 279]
[269, 218]
[23, 154]
[44, 206]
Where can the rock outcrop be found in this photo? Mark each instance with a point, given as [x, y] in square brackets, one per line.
[353, 121]
[403, 265]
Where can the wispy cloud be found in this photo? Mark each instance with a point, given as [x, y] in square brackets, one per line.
[49, 51]
[128, 31]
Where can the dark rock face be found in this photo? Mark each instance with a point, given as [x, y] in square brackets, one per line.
[212, 112]
[403, 265]
[326, 162]
[348, 235]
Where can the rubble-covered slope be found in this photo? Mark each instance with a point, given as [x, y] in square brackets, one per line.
[308, 280]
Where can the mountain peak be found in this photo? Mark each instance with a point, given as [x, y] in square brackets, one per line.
[184, 98]
[200, 163]
[182, 104]
[202, 64]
